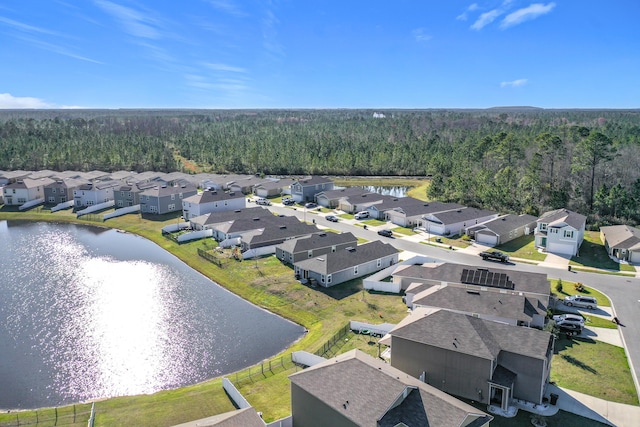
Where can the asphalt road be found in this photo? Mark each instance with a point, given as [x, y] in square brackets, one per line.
[624, 292]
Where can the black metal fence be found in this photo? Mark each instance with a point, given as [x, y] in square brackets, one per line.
[266, 369]
[326, 347]
[72, 415]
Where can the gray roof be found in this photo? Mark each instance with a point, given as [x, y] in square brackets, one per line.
[566, 216]
[534, 283]
[343, 192]
[413, 207]
[279, 232]
[162, 190]
[316, 241]
[347, 258]
[505, 305]
[227, 216]
[471, 335]
[240, 225]
[312, 180]
[66, 183]
[213, 196]
[622, 237]
[247, 417]
[464, 214]
[30, 183]
[506, 223]
[270, 184]
[365, 390]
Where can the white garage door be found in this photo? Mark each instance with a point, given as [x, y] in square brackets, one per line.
[634, 256]
[487, 239]
[559, 248]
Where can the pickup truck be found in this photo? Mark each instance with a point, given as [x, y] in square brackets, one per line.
[494, 256]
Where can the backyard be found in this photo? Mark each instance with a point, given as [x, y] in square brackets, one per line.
[594, 255]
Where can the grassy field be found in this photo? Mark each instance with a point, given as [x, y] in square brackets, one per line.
[593, 254]
[569, 288]
[594, 368]
[404, 231]
[522, 247]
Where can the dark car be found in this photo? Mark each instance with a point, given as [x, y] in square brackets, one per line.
[570, 329]
[385, 233]
[310, 205]
[331, 218]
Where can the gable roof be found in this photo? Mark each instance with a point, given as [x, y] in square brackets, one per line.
[246, 417]
[312, 180]
[317, 240]
[471, 335]
[27, 183]
[211, 196]
[371, 393]
[163, 190]
[344, 192]
[227, 216]
[279, 232]
[414, 207]
[534, 283]
[347, 258]
[559, 216]
[506, 223]
[505, 305]
[460, 215]
[622, 236]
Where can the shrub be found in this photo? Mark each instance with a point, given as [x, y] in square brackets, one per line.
[559, 285]
[579, 287]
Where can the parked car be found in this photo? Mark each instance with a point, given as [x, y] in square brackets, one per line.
[262, 201]
[288, 201]
[494, 255]
[331, 218]
[310, 205]
[385, 233]
[568, 319]
[361, 215]
[581, 301]
[570, 330]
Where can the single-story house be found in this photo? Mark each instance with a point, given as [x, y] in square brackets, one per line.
[305, 189]
[509, 307]
[337, 267]
[454, 222]
[263, 241]
[560, 231]
[502, 229]
[359, 202]
[621, 242]
[355, 389]
[212, 201]
[294, 250]
[409, 211]
[271, 187]
[331, 199]
[534, 285]
[166, 198]
[209, 220]
[473, 358]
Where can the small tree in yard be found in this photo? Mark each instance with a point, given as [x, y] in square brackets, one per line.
[559, 286]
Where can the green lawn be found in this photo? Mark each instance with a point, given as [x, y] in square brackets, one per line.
[404, 231]
[455, 241]
[522, 247]
[594, 368]
[373, 222]
[523, 419]
[569, 288]
[593, 254]
[346, 216]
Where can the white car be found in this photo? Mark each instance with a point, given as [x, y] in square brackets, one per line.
[568, 319]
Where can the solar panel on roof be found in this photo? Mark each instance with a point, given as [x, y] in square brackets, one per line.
[484, 277]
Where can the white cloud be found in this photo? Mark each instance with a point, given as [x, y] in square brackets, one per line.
[514, 83]
[225, 67]
[526, 14]
[486, 19]
[227, 6]
[9, 101]
[420, 35]
[464, 15]
[25, 27]
[134, 22]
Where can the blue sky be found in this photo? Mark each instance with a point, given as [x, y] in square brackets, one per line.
[319, 54]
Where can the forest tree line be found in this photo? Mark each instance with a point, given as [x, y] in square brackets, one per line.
[519, 161]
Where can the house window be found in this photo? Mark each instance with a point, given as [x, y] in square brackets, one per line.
[309, 254]
[53, 190]
[568, 234]
[355, 270]
[172, 207]
[22, 200]
[122, 194]
[52, 199]
[322, 278]
[180, 195]
[291, 257]
[333, 248]
[328, 278]
[543, 227]
[120, 204]
[173, 197]
[553, 231]
[379, 263]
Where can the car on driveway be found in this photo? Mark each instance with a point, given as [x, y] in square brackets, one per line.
[568, 319]
[331, 218]
[581, 301]
[310, 205]
[288, 201]
[385, 233]
[570, 330]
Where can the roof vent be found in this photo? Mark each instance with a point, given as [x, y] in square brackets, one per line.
[283, 227]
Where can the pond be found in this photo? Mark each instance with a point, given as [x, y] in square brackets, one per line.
[88, 313]
[387, 190]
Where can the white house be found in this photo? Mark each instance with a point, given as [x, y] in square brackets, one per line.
[94, 193]
[454, 222]
[25, 190]
[560, 231]
[212, 201]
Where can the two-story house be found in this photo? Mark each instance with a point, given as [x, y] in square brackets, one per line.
[560, 231]
[212, 201]
[166, 198]
[25, 190]
[94, 193]
[61, 190]
[294, 250]
[305, 190]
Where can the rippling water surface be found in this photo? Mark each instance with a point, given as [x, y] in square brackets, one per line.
[87, 313]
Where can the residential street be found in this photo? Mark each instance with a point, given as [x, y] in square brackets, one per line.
[624, 292]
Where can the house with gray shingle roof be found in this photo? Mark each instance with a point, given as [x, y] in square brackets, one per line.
[622, 242]
[210, 220]
[294, 250]
[337, 267]
[271, 187]
[478, 359]
[305, 189]
[409, 211]
[513, 308]
[560, 231]
[502, 229]
[331, 198]
[452, 222]
[61, 190]
[245, 417]
[24, 190]
[95, 192]
[166, 197]
[355, 389]
[212, 201]
[263, 241]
